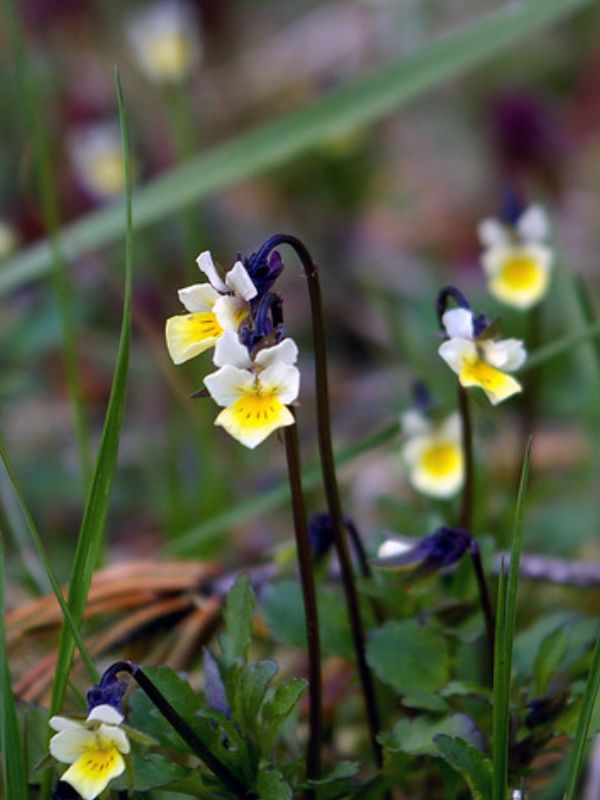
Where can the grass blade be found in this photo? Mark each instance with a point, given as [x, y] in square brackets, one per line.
[583, 727]
[50, 212]
[543, 355]
[14, 775]
[94, 515]
[39, 546]
[505, 631]
[270, 145]
[274, 497]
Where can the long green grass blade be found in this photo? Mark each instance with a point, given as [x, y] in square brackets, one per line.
[41, 551]
[543, 355]
[14, 775]
[583, 727]
[94, 515]
[46, 186]
[361, 103]
[505, 632]
[274, 497]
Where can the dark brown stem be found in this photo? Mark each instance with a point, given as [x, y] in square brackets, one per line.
[309, 595]
[330, 480]
[179, 724]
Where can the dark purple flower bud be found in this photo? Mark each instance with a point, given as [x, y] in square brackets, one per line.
[543, 709]
[64, 791]
[214, 688]
[264, 271]
[320, 534]
[264, 323]
[109, 692]
[438, 551]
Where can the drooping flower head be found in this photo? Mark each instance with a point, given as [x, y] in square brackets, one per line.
[220, 305]
[473, 351]
[165, 41]
[516, 258]
[438, 551]
[255, 390]
[94, 748]
[432, 453]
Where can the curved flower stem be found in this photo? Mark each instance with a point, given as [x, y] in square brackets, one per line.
[307, 579]
[329, 476]
[179, 724]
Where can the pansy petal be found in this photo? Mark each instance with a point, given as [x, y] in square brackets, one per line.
[285, 352]
[199, 297]
[492, 233]
[439, 472]
[394, 547]
[230, 350]
[533, 224]
[253, 417]
[497, 385]
[281, 380]
[458, 323]
[230, 311]
[105, 713]
[188, 335]
[93, 771]
[456, 351]
[113, 735]
[227, 384]
[506, 354]
[450, 428]
[67, 745]
[62, 723]
[414, 422]
[207, 266]
[519, 276]
[238, 280]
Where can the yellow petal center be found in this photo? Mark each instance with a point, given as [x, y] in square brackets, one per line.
[477, 372]
[520, 273]
[256, 409]
[202, 325]
[441, 460]
[106, 173]
[94, 770]
[171, 55]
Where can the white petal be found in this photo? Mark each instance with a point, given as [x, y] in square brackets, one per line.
[492, 233]
[411, 451]
[283, 380]
[414, 422]
[199, 297]
[458, 323]
[450, 428]
[505, 354]
[533, 224]
[228, 383]
[207, 265]
[63, 723]
[456, 351]
[229, 350]
[105, 713]
[230, 311]
[114, 735]
[493, 260]
[286, 352]
[394, 547]
[69, 744]
[238, 280]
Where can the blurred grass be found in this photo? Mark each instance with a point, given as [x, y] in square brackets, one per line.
[343, 111]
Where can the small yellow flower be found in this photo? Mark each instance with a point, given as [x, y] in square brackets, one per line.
[433, 453]
[255, 392]
[164, 41]
[481, 361]
[214, 307]
[93, 748]
[97, 156]
[516, 260]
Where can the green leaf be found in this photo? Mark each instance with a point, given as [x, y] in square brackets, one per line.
[470, 762]
[549, 658]
[342, 111]
[425, 701]
[279, 709]
[417, 736]
[253, 685]
[238, 613]
[34, 724]
[149, 771]
[409, 657]
[89, 542]
[14, 774]
[282, 607]
[503, 646]
[270, 785]
[590, 699]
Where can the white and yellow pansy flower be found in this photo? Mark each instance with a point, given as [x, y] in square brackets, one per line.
[165, 41]
[255, 393]
[94, 749]
[433, 453]
[214, 307]
[8, 239]
[97, 156]
[481, 361]
[516, 260]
